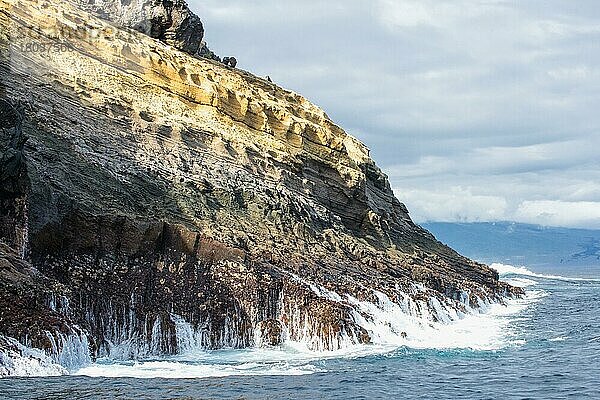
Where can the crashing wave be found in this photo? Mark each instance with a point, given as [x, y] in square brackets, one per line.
[66, 353]
[19, 360]
[419, 319]
[430, 322]
[426, 323]
[505, 270]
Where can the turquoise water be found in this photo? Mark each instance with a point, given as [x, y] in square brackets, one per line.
[548, 348]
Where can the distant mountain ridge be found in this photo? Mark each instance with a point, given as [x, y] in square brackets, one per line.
[520, 244]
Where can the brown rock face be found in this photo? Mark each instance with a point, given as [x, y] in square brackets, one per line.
[271, 332]
[181, 204]
[14, 182]
[25, 298]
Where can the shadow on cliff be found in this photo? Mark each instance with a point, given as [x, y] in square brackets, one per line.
[130, 281]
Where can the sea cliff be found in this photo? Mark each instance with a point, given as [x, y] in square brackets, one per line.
[155, 202]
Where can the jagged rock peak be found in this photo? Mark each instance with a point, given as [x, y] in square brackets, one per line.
[170, 21]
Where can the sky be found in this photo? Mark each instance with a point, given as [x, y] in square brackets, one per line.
[478, 110]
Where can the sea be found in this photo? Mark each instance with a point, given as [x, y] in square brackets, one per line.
[544, 346]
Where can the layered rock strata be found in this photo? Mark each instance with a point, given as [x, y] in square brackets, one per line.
[173, 203]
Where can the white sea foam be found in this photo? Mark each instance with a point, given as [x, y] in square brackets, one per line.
[436, 323]
[68, 352]
[504, 270]
[559, 339]
[183, 370]
[488, 330]
[20, 360]
[432, 323]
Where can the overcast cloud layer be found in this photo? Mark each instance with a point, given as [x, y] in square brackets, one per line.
[477, 110]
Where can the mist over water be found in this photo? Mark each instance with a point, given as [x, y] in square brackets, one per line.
[544, 346]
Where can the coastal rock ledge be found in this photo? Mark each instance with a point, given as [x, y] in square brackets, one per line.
[153, 203]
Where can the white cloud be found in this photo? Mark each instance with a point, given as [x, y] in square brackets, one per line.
[502, 160]
[455, 204]
[461, 204]
[474, 108]
[399, 14]
[560, 213]
[395, 14]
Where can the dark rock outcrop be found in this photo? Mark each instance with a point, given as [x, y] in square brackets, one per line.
[170, 21]
[271, 332]
[30, 311]
[14, 182]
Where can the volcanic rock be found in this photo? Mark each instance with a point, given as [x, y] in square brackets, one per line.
[170, 21]
[174, 203]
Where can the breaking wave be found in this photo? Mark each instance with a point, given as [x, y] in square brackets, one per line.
[420, 324]
[390, 324]
[487, 328]
[505, 271]
[192, 369]
[67, 353]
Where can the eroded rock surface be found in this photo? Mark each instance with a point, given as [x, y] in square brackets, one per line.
[180, 204]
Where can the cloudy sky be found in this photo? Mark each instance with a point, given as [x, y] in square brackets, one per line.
[478, 110]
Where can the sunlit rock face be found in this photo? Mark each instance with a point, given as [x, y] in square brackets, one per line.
[173, 203]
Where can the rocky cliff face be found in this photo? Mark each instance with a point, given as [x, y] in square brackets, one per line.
[169, 202]
[14, 182]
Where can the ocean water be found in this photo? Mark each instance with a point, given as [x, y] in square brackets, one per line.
[545, 346]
